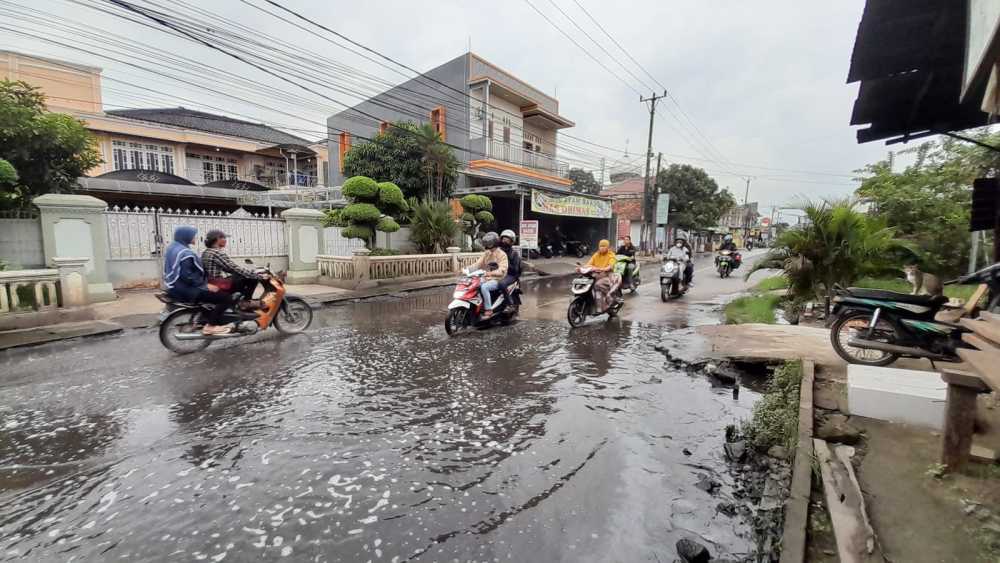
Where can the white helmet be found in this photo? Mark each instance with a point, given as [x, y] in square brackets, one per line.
[509, 234]
[681, 235]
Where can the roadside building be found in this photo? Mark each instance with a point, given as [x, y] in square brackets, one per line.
[175, 157]
[503, 131]
[626, 204]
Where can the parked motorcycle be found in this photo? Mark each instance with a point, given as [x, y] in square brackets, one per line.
[181, 323]
[584, 303]
[875, 327]
[725, 263]
[575, 248]
[466, 308]
[628, 268]
[672, 280]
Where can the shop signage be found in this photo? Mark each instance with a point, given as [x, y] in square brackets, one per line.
[528, 235]
[569, 205]
[662, 209]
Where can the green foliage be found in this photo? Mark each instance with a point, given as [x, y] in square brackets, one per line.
[8, 175]
[361, 213]
[775, 417]
[695, 199]
[752, 309]
[583, 181]
[387, 225]
[363, 232]
[411, 156]
[476, 214]
[361, 188]
[391, 197]
[900, 285]
[385, 252]
[485, 218]
[474, 203]
[335, 218]
[432, 228]
[772, 283]
[837, 245]
[929, 201]
[48, 151]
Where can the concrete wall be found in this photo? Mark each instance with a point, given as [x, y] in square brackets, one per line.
[126, 274]
[413, 101]
[66, 86]
[21, 243]
[400, 240]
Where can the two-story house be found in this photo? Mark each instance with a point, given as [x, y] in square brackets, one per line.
[503, 131]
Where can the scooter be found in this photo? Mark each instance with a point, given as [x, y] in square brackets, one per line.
[575, 248]
[672, 280]
[584, 303]
[181, 323]
[875, 327]
[466, 308]
[724, 263]
[628, 268]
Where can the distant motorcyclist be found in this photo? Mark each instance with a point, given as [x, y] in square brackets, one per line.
[627, 249]
[728, 244]
[507, 240]
[494, 263]
[682, 240]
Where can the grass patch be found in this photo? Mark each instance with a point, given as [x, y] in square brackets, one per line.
[772, 283]
[775, 417]
[900, 285]
[752, 309]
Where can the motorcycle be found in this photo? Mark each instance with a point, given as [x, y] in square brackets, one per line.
[672, 280]
[575, 248]
[466, 308]
[628, 268]
[724, 263]
[181, 323]
[584, 303]
[875, 327]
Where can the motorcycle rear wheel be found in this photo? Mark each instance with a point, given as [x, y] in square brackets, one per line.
[577, 312]
[855, 324]
[182, 321]
[295, 317]
[456, 320]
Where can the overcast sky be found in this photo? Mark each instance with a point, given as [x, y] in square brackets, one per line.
[763, 82]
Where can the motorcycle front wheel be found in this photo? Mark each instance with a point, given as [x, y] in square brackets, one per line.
[455, 321]
[577, 312]
[855, 325]
[183, 322]
[579, 252]
[664, 293]
[294, 317]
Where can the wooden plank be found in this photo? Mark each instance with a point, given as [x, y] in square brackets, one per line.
[985, 364]
[959, 420]
[989, 317]
[975, 298]
[980, 343]
[964, 379]
[989, 331]
[854, 534]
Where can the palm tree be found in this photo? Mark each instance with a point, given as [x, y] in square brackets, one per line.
[432, 227]
[437, 158]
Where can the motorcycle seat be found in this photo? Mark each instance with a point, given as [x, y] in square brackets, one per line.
[884, 295]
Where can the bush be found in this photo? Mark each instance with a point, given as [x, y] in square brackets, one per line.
[473, 203]
[772, 283]
[432, 228]
[363, 232]
[361, 213]
[385, 252]
[775, 417]
[360, 187]
[485, 218]
[752, 309]
[387, 225]
[390, 194]
[334, 218]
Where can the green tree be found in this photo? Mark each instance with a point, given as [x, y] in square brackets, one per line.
[8, 175]
[48, 151]
[408, 155]
[432, 228]
[476, 214]
[695, 199]
[836, 246]
[929, 201]
[583, 181]
[372, 205]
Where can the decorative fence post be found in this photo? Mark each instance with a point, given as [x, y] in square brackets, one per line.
[362, 267]
[74, 225]
[73, 281]
[455, 266]
[305, 242]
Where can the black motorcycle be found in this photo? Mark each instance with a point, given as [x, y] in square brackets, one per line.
[875, 327]
[575, 248]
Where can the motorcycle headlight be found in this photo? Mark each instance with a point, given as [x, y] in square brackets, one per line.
[669, 268]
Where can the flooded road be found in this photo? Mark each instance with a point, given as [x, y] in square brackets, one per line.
[373, 437]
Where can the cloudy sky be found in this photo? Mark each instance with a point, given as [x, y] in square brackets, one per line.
[759, 85]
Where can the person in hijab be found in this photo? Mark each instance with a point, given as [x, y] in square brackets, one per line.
[184, 278]
[602, 262]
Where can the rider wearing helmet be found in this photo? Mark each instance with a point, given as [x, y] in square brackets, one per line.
[494, 262]
[682, 238]
[728, 244]
[507, 240]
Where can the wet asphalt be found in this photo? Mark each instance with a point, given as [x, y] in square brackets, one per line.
[375, 437]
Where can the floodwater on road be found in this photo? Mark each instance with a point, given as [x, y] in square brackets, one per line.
[373, 437]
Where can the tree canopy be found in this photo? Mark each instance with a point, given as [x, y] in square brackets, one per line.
[371, 209]
[695, 199]
[46, 152]
[411, 156]
[583, 181]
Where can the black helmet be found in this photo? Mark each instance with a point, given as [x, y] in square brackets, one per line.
[490, 240]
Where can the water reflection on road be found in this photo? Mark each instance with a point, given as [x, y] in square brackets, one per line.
[373, 437]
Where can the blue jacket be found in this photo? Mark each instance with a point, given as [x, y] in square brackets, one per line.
[183, 274]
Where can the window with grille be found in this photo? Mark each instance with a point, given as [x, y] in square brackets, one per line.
[130, 155]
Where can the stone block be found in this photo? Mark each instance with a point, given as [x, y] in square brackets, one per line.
[897, 395]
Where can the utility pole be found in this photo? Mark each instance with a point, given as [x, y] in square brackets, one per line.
[656, 202]
[647, 213]
[746, 209]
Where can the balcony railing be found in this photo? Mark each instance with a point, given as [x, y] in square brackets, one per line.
[507, 152]
[274, 181]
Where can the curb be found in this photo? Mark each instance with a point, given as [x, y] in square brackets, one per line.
[793, 537]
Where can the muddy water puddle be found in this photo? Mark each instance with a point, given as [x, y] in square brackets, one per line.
[374, 437]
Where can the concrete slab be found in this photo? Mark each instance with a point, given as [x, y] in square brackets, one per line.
[896, 395]
[36, 336]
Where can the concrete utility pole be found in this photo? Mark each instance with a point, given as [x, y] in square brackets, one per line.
[647, 213]
[746, 209]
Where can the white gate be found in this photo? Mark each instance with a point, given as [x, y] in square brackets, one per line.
[135, 233]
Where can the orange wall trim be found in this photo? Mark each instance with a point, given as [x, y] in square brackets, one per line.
[515, 169]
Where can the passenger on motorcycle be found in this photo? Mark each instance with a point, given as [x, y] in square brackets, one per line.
[185, 280]
[602, 263]
[507, 240]
[689, 264]
[492, 256]
[222, 272]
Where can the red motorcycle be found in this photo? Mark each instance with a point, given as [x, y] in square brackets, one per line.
[466, 309]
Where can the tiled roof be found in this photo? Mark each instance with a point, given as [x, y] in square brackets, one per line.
[632, 186]
[211, 123]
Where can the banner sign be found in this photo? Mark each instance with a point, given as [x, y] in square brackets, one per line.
[569, 205]
[662, 209]
[624, 228]
[528, 235]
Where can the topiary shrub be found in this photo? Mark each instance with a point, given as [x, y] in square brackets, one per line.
[476, 214]
[334, 218]
[390, 194]
[387, 225]
[363, 232]
[372, 208]
[361, 213]
[360, 188]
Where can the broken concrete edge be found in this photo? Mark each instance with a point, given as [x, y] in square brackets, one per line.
[96, 328]
[793, 537]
